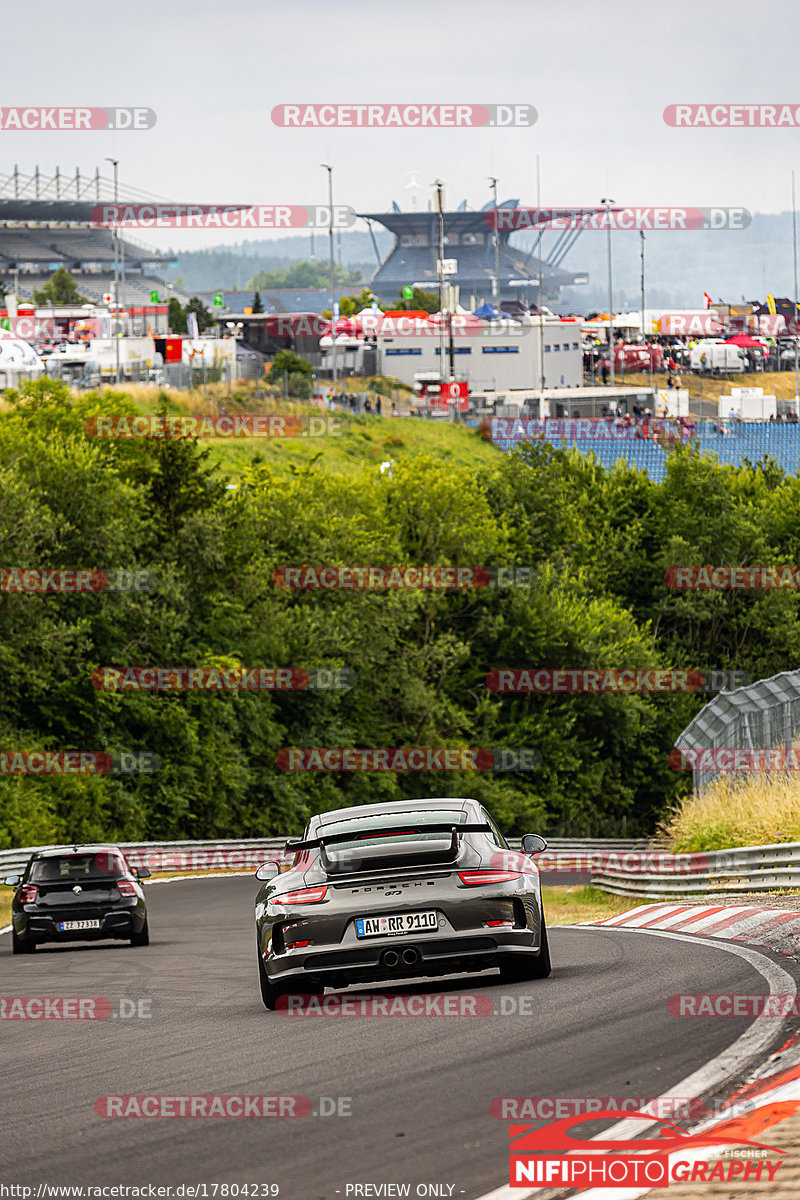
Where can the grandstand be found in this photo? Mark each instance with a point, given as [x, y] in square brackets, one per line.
[469, 240]
[751, 440]
[45, 224]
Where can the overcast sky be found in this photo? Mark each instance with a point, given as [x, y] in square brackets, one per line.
[599, 75]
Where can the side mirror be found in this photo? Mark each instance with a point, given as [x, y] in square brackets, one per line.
[143, 873]
[533, 844]
[12, 880]
[267, 870]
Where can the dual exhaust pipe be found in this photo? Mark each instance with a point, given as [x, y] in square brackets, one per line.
[408, 958]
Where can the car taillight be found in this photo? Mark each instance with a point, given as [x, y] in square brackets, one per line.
[28, 893]
[311, 895]
[126, 887]
[476, 878]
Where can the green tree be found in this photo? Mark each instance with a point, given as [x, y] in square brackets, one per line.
[60, 288]
[287, 360]
[258, 307]
[177, 316]
[422, 300]
[305, 275]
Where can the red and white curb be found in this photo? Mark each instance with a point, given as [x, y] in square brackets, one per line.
[775, 929]
[772, 1082]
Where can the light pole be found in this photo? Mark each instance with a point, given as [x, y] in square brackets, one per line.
[329, 169]
[440, 215]
[115, 164]
[493, 182]
[644, 309]
[796, 348]
[608, 204]
[541, 293]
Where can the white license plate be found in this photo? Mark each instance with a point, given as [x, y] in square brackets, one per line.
[64, 926]
[412, 922]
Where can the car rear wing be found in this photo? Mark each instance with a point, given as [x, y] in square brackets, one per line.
[455, 829]
[380, 849]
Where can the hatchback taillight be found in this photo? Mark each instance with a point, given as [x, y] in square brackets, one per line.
[126, 887]
[476, 878]
[28, 893]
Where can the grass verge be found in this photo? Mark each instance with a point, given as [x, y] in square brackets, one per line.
[569, 905]
[6, 894]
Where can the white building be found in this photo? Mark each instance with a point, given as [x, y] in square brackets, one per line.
[494, 357]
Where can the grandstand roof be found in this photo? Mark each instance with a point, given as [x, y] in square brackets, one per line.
[469, 239]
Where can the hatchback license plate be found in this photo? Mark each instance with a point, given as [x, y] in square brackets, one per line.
[412, 922]
[64, 926]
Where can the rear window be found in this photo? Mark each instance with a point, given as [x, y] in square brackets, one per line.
[97, 865]
[368, 829]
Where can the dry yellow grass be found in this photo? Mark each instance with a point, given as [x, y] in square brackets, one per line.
[755, 810]
[774, 383]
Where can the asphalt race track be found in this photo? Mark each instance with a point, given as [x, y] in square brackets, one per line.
[420, 1087]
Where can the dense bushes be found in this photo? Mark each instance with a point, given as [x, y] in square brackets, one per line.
[599, 542]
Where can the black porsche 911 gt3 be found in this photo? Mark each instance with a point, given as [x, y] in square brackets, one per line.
[411, 888]
[79, 894]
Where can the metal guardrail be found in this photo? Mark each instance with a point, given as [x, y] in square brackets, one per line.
[173, 857]
[249, 852]
[744, 869]
[622, 866]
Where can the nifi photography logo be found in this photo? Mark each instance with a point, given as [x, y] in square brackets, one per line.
[552, 1156]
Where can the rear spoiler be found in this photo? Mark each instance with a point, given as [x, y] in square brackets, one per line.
[389, 831]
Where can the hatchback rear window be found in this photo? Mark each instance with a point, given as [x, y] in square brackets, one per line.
[98, 865]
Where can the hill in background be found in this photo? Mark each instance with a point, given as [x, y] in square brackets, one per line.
[728, 264]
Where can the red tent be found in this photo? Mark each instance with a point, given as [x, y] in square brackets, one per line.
[745, 340]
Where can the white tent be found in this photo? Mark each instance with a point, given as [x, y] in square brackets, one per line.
[18, 361]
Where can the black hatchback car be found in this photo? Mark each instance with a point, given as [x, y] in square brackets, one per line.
[410, 888]
[77, 894]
